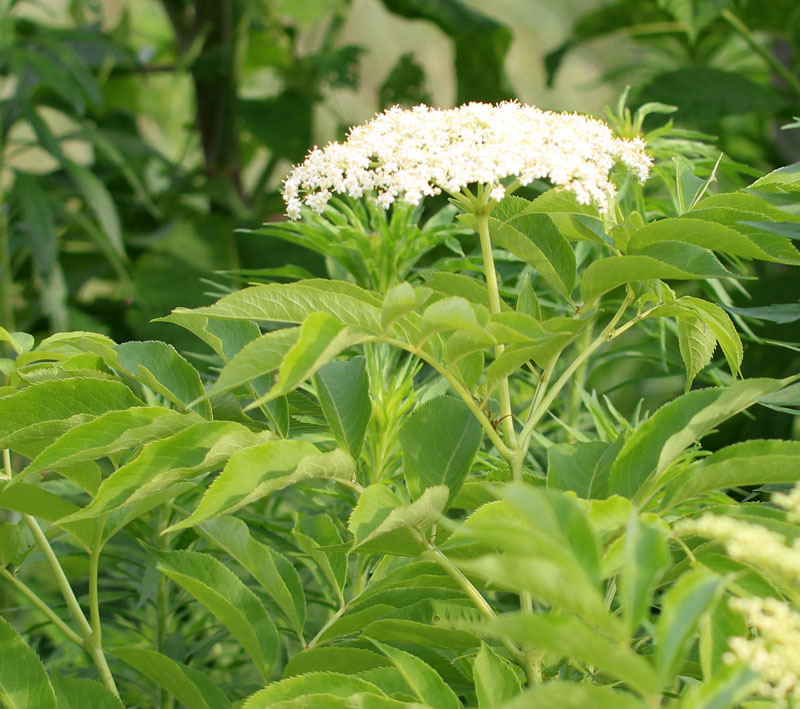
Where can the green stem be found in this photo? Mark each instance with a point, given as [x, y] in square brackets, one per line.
[775, 64]
[6, 280]
[162, 608]
[540, 406]
[42, 606]
[482, 218]
[316, 639]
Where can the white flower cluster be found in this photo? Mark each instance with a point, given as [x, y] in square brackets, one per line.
[774, 653]
[790, 501]
[409, 154]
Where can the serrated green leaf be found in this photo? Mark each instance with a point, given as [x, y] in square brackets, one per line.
[232, 603]
[399, 301]
[331, 683]
[77, 693]
[782, 180]
[697, 343]
[343, 391]
[177, 458]
[495, 681]
[255, 472]
[455, 313]
[425, 634]
[753, 462]
[188, 686]
[444, 457]
[572, 695]
[574, 466]
[719, 322]
[681, 608]
[426, 684]
[274, 572]
[23, 680]
[225, 337]
[346, 660]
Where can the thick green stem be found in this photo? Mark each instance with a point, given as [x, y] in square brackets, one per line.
[482, 218]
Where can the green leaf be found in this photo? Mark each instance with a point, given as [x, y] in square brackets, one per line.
[753, 462]
[330, 683]
[101, 203]
[728, 687]
[535, 239]
[716, 630]
[255, 472]
[715, 237]
[495, 681]
[782, 180]
[455, 313]
[381, 524]
[109, 433]
[439, 441]
[195, 450]
[399, 301]
[697, 343]
[158, 366]
[258, 357]
[23, 681]
[225, 337]
[425, 682]
[527, 302]
[188, 686]
[294, 302]
[19, 341]
[274, 572]
[569, 638]
[232, 603]
[423, 633]
[321, 338]
[571, 695]
[676, 426]
[574, 466]
[693, 16]
[456, 284]
[343, 391]
[645, 561]
[718, 321]
[320, 538]
[665, 260]
[681, 608]
[347, 660]
[77, 693]
[32, 417]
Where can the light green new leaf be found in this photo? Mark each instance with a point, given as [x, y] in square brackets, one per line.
[715, 237]
[495, 681]
[195, 450]
[756, 462]
[78, 693]
[232, 603]
[720, 324]
[158, 366]
[294, 302]
[646, 558]
[274, 572]
[321, 338]
[665, 260]
[294, 688]
[399, 301]
[258, 357]
[697, 343]
[782, 180]
[675, 427]
[439, 441]
[19, 341]
[681, 609]
[343, 391]
[255, 472]
[360, 700]
[571, 695]
[225, 337]
[188, 686]
[456, 284]
[536, 240]
[455, 313]
[381, 524]
[23, 681]
[425, 682]
[569, 638]
[31, 418]
[107, 434]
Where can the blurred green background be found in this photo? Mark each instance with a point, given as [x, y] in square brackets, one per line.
[137, 136]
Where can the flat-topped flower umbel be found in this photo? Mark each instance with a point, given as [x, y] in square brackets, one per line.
[410, 154]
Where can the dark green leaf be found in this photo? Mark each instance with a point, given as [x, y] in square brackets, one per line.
[343, 391]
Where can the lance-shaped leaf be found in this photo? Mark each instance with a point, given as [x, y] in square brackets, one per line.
[343, 391]
[187, 685]
[715, 237]
[195, 450]
[455, 313]
[275, 573]
[719, 322]
[747, 463]
[697, 343]
[331, 684]
[536, 240]
[232, 603]
[77, 693]
[321, 338]
[381, 524]
[495, 681]
[399, 301]
[784, 179]
[665, 260]
[676, 426]
[569, 638]
[440, 441]
[31, 418]
[294, 302]
[225, 337]
[255, 472]
[23, 681]
[158, 366]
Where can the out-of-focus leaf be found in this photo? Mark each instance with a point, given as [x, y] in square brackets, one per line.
[23, 681]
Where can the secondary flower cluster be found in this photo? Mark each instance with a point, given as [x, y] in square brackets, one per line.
[409, 154]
